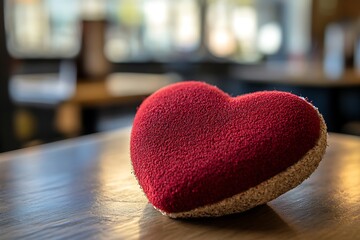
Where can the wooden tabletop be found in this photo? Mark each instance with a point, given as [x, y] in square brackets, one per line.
[83, 189]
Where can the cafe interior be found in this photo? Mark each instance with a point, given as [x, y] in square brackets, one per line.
[73, 74]
[76, 67]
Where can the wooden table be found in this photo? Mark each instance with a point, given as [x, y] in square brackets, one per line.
[124, 90]
[303, 74]
[83, 189]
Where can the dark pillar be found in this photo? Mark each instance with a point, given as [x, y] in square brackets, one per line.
[7, 139]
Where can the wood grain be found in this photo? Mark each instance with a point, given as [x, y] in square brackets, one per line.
[84, 189]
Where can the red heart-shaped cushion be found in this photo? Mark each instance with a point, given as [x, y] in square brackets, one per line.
[192, 145]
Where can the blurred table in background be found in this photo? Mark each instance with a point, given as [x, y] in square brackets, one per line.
[297, 73]
[53, 106]
[118, 89]
[336, 96]
[102, 37]
[83, 189]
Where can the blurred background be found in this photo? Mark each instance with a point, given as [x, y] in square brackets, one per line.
[75, 67]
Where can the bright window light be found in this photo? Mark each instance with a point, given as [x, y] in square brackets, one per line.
[245, 23]
[270, 38]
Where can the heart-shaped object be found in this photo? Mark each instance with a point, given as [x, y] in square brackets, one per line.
[196, 151]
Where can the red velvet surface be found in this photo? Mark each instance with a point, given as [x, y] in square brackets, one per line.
[192, 144]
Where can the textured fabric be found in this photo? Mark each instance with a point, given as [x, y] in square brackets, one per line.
[193, 145]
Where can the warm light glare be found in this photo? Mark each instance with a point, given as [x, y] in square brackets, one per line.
[116, 48]
[187, 25]
[244, 23]
[221, 42]
[270, 38]
[156, 12]
[93, 9]
[31, 32]
[156, 30]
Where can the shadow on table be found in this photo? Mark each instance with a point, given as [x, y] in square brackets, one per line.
[259, 222]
